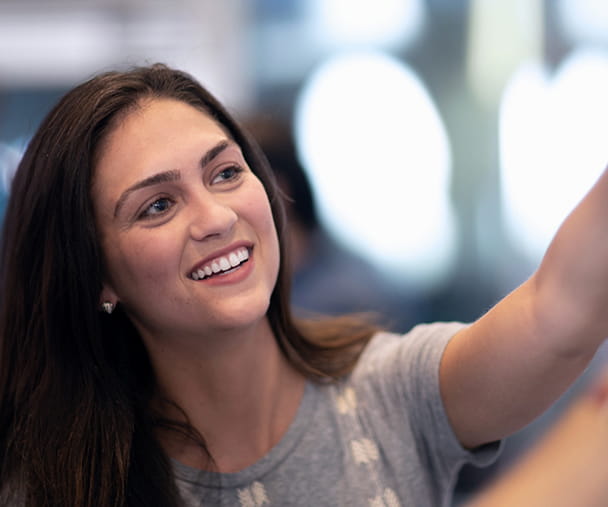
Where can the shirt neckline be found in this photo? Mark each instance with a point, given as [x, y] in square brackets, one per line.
[266, 463]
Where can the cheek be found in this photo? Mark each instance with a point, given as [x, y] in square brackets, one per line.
[134, 265]
[261, 216]
[258, 207]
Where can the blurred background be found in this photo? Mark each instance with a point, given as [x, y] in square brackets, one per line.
[440, 142]
[444, 139]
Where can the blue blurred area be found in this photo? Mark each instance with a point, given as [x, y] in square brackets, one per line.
[21, 111]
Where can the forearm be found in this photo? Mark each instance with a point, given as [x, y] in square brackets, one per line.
[512, 363]
[572, 280]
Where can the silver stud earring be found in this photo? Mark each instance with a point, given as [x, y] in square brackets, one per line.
[107, 307]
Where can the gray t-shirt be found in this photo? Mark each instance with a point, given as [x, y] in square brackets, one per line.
[379, 438]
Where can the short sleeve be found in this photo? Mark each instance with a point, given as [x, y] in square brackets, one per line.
[401, 376]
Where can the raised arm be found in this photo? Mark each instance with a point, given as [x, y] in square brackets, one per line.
[512, 363]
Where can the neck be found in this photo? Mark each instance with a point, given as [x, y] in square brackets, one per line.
[237, 390]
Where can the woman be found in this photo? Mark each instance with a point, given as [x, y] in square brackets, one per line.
[149, 356]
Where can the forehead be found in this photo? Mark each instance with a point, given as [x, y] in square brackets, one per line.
[160, 119]
[160, 134]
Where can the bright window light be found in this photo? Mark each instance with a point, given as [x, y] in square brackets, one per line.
[378, 23]
[584, 20]
[552, 145]
[53, 47]
[10, 156]
[502, 34]
[379, 158]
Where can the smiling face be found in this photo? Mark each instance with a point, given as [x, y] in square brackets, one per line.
[187, 233]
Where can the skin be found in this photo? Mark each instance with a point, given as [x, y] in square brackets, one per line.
[209, 340]
[162, 231]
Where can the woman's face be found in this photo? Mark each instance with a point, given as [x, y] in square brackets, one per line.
[186, 228]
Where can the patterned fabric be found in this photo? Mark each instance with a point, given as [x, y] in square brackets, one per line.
[377, 438]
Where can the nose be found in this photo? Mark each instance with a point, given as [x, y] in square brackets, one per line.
[211, 215]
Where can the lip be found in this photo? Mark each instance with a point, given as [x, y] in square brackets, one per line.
[221, 253]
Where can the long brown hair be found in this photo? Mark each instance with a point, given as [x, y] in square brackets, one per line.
[76, 427]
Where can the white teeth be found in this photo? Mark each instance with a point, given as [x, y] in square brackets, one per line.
[221, 264]
[234, 260]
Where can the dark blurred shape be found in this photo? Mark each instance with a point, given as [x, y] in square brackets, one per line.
[327, 277]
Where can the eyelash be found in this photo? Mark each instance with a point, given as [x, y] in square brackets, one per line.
[237, 170]
[147, 214]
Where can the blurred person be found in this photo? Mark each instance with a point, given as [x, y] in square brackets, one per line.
[567, 466]
[149, 355]
[328, 278]
[521, 443]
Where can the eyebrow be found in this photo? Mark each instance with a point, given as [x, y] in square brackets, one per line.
[168, 176]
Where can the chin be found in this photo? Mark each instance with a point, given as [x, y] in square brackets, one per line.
[241, 315]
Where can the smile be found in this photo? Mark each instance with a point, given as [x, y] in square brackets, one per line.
[221, 264]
